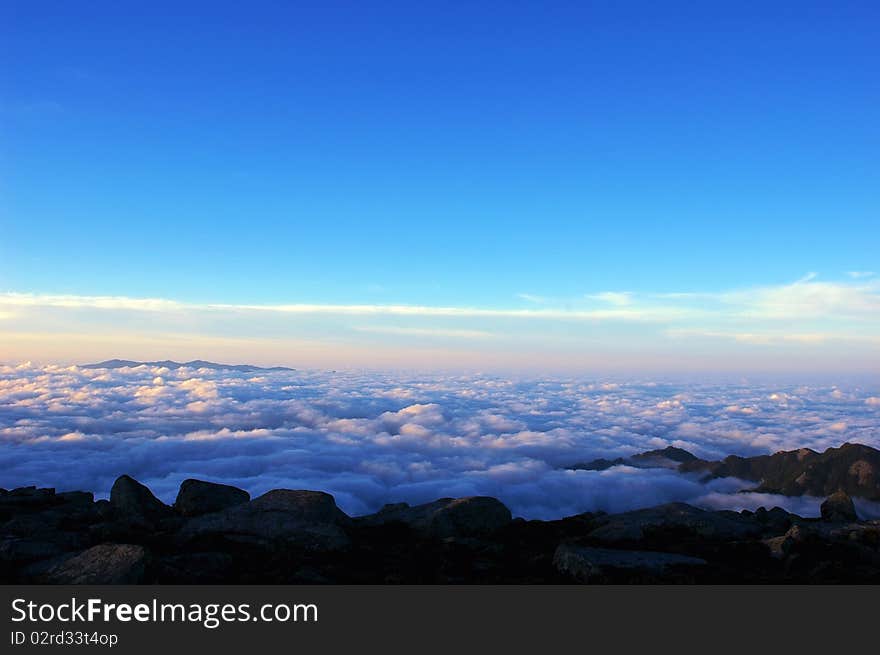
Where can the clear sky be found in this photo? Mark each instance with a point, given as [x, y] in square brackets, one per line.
[546, 184]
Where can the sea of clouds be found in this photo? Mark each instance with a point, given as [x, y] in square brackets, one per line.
[372, 438]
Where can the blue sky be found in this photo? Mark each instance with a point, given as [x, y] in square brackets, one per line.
[714, 169]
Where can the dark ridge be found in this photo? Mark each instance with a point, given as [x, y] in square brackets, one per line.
[851, 468]
[196, 363]
[669, 457]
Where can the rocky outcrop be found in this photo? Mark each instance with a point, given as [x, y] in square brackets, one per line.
[679, 519]
[448, 517]
[586, 564]
[308, 518]
[852, 468]
[669, 457]
[198, 497]
[838, 507]
[102, 564]
[297, 537]
[135, 502]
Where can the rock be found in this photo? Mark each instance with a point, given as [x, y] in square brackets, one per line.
[199, 568]
[853, 468]
[778, 546]
[78, 498]
[775, 520]
[678, 519]
[103, 564]
[32, 492]
[838, 507]
[448, 517]
[26, 499]
[134, 502]
[585, 564]
[308, 518]
[669, 457]
[20, 550]
[197, 497]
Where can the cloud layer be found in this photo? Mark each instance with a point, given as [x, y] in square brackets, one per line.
[373, 438]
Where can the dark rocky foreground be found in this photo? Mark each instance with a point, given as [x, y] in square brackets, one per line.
[217, 534]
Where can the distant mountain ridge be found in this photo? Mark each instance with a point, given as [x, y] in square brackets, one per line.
[667, 458]
[852, 468]
[196, 363]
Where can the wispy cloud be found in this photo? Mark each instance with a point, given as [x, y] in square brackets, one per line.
[769, 338]
[425, 332]
[618, 298]
[807, 298]
[646, 313]
[608, 327]
[530, 297]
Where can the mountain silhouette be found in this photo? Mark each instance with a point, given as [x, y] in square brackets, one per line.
[196, 363]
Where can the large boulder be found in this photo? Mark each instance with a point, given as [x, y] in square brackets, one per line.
[134, 502]
[838, 507]
[474, 516]
[588, 564]
[197, 497]
[675, 521]
[102, 564]
[307, 518]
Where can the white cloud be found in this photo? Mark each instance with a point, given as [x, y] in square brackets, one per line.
[837, 320]
[371, 438]
[425, 332]
[618, 298]
[162, 305]
[530, 297]
[808, 298]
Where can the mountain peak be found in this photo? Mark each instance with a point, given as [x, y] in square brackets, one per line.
[196, 363]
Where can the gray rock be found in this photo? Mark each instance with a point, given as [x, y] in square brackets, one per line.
[448, 517]
[838, 507]
[585, 564]
[308, 518]
[102, 564]
[134, 502]
[675, 518]
[775, 519]
[778, 546]
[198, 497]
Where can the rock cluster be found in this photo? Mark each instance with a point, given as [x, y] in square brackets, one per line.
[217, 534]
